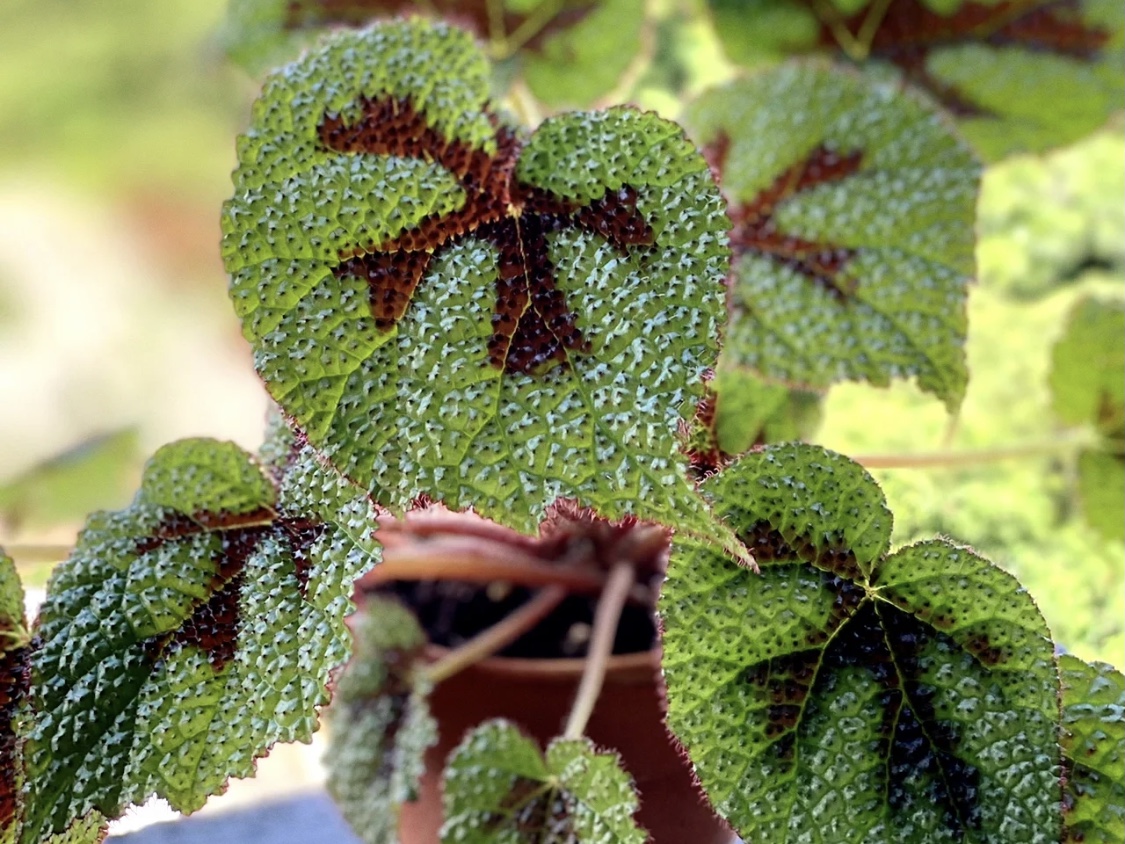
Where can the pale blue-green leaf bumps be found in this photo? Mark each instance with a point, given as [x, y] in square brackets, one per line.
[853, 208]
[850, 695]
[449, 310]
[181, 640]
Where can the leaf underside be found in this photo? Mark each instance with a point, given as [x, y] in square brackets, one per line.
[186, 634]
[1093, 740]
[449, 310]
[1087, 383]
[853, 207]
[851, 694]
[1020, 76]
[379, 724]
[499, 787]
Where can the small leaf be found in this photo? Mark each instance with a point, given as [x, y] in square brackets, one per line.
[1093, 739]
[749, 411]
[449, 311]
[1022, 76]
[850, 694]
[498, 787]
[1087, 383]
[180, 641]
[380, 724]
[853, 209]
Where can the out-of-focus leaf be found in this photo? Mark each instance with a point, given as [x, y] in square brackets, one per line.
[180, 641]
[95, 474]
[853, 208]
[499, 787]
[749, 411]
[1018, 76]
[850, 694]
[1093, 740]
[448, 310]
[380, 724]
[1087, 382]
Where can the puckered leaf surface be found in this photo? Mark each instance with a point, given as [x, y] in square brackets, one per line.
[1093, 739]
[1087, 382]
[846, 694]
[853, 208]
[187, 633]
[449, 310]
[499, 788]
[570, 52]
[1018, 76]
[380, 724]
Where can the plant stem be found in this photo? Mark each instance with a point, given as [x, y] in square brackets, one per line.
[498, 636]
[970, 457]
[601, 647]
[639, 63]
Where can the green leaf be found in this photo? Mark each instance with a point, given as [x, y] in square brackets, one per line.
[181, 640]
[380, 724]
[499, 789]
[447, 310]
[853, 208]
[749, 411]
[1018, 77]
[1087, 381]
[96, 473]
[851, 694]
[1093, 740]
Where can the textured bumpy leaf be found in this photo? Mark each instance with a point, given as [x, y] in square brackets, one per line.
[853, 209]
[570, 52]
[448, 310]
[186, 634]
[1093, 738]
[500, 789]
[1088, 387]
[379, 723]
[1024, 75]
[845, 694]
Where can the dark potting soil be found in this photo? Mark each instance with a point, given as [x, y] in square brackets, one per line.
[451, 612]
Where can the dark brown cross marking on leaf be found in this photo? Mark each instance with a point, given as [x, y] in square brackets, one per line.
[214, 623]
[533, 329]
[755, 228]
[909, 31]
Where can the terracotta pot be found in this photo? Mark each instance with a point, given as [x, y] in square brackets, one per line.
[536, 694]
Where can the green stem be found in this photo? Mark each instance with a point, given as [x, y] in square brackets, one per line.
[867, 29]
[532, 25]
[606, 616]
[498, 636]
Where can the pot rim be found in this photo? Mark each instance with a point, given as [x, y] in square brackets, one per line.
[629, 669]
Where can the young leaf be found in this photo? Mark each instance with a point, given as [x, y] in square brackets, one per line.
[380, 724]
[450, 311]
[1087, 383]
[852, 694]
[853, 209]
[499, 788]
[184, 636]
[1093, 739]
[1022, 76]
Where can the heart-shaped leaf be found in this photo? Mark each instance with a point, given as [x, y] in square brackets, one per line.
[1093, 739]
[185, 635]
[449, 311]
[500, 788]
[853, 208]
[380, 724]
[1018, 76]
[1087, 382]
[851, 694]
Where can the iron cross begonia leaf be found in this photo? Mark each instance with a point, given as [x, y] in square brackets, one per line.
[1018, 76]
[185, 635]
[499, 787]
[852, 694]
[449, 309]
[853, 207]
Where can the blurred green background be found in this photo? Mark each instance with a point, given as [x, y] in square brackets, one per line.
[117, 126]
